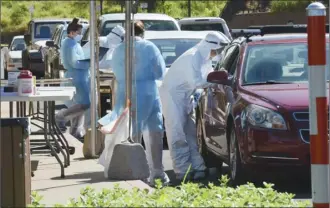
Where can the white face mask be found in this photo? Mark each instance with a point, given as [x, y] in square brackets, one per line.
[78, 38]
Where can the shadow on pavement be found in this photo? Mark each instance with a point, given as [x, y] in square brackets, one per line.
[80, 159]
[94, 177]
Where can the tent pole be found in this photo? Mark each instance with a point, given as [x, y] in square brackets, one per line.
[128, 71]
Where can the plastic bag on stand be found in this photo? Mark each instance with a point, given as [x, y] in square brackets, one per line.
[115, 133]
[121, 159]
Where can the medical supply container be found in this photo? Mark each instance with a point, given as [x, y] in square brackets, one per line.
[25, 83]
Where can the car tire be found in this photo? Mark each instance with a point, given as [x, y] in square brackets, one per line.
[236, 169]
[210, 159]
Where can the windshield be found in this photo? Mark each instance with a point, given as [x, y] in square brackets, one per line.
[18, 44]
[152, 25]
[276, 63]
[202, 27]
[171, 49]
[45, 29]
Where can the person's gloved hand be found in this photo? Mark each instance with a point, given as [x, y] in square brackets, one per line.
[197, 95]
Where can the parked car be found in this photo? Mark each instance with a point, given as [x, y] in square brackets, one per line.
[39, 31]
[255, 115]
[205, 23]
[14, 60]
[152, 22]
[173, 44]
[53, 62]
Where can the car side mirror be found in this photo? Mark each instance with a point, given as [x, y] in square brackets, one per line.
[219, 77]
[50, 43]
[27, 39]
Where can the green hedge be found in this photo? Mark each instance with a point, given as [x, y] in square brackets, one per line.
[289, 6]
[186, 195]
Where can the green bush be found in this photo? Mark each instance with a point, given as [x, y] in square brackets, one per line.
[186, 195]
[289, 6]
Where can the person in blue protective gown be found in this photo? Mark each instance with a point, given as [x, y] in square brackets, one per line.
[147, 120]
[72, 53]
[78, 123]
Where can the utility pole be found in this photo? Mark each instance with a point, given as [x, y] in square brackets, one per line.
[189, 8]
[101, 7]
[31, 10]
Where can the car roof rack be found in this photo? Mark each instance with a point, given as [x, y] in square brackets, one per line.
[271, 29]
[235, 33]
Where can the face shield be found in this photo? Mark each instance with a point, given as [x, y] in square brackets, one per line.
[219, 50]
[213, 42]
[116, 36]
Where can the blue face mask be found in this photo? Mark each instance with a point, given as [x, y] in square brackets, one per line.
[78, 38]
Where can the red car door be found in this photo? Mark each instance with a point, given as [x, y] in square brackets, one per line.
[221, 98]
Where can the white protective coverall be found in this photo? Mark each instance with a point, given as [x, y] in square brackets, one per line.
[114, 38]
[111, 41]
[187, 73]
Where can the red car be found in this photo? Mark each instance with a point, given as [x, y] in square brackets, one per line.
[256, 113]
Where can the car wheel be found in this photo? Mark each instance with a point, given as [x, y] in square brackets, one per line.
[210, 159]
[237, 174]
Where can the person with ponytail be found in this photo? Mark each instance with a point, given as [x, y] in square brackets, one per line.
[71, 52]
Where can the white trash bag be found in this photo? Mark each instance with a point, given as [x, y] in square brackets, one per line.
[121, 159]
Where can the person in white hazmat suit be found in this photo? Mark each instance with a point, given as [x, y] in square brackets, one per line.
[111, 41]
[187, 73]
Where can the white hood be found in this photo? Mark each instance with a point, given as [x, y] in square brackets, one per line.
[15, 54]
[212, 41]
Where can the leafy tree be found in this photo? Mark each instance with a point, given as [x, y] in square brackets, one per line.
[15, 15]
[291, 6]
[18, 13]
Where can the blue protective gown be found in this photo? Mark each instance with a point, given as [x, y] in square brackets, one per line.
[147, 120]
[148, 67]
[71, 53]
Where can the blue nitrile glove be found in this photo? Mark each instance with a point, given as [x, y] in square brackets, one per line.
[197, 95]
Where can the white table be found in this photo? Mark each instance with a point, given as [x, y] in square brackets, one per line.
[48, 95]
[43, 94]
